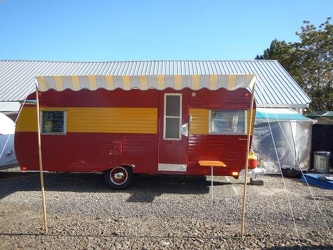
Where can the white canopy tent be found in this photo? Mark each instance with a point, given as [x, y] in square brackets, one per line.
[7, 153]
[282, 138]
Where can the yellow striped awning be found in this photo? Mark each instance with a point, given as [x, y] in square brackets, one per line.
[145, 82]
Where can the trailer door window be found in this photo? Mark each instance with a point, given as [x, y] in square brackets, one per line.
[227, 122]
[172, 117]
[53, 122]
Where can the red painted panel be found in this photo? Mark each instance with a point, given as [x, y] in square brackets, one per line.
[87, 152]
[203, 98]
[221, 98]
[99, 98]
[230, 149]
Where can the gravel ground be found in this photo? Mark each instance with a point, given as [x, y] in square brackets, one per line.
[162, 212]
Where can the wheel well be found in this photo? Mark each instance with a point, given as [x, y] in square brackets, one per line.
[119, 177]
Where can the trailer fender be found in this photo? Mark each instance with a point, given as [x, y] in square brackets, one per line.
[119, 177]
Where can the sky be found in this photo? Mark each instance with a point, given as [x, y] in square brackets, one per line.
[131, 30]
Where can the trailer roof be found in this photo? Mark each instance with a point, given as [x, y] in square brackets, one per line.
[144, 82]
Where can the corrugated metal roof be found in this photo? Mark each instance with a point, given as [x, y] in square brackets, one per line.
[275, 87]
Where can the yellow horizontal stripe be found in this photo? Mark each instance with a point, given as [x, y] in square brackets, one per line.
[97, 120]
[112, 120]
[115, 120]
[200, 121]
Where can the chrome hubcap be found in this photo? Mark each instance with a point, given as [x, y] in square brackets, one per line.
[119, 176]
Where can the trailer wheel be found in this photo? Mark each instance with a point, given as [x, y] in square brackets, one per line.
[119, 177]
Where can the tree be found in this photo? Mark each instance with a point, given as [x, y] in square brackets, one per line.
[309, 61]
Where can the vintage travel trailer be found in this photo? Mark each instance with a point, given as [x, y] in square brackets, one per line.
[125, 125]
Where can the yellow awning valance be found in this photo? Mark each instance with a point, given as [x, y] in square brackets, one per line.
[145, 82]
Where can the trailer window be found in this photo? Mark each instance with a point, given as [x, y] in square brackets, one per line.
[53, 122]
[172, 117]
[227, 122]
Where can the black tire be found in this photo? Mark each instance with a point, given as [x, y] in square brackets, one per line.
[119, 177]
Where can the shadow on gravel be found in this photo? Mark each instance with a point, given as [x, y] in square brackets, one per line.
[320, 198]
[149, 185]
[11, 182]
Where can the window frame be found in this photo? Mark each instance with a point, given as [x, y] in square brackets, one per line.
[63, 132]
[165, 117]
[211, 132]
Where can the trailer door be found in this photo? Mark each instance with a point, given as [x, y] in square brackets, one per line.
[173, 132]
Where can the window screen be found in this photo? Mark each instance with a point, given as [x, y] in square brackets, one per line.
[227, 122]
[53, 122]
[172, 116]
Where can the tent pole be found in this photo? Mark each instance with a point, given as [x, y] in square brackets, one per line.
[41, 161]
[247, 162]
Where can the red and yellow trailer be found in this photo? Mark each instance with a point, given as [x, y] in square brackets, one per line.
[125, 125]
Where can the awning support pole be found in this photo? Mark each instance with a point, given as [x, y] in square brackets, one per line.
[247, 162]
[41, 161]
[212, 182]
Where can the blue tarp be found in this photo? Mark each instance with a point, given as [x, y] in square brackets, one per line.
[275, 114]
[320, 180]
